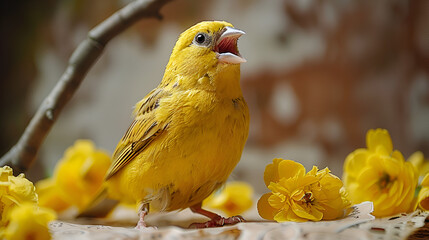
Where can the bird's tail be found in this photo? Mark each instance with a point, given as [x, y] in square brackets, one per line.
[100, 207]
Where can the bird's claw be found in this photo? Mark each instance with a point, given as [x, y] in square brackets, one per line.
[218, 222]
[141, 225]
[145, 227]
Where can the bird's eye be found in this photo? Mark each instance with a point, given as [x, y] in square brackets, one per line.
[202, 39]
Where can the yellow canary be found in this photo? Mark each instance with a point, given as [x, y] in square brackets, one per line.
[189, 132]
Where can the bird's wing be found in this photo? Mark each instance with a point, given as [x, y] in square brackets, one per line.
[142, 131]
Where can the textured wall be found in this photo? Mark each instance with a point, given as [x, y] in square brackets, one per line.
[319, 75]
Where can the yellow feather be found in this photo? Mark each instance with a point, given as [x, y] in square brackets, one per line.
[188, 133]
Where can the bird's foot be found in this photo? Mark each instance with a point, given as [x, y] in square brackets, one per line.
[218, 222]
[141, 225]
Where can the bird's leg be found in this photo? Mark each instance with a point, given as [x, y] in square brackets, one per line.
[215, 220]
[143, 211]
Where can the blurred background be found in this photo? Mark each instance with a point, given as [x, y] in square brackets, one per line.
[319, 74]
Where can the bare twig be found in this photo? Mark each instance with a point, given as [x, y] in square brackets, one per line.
[22, 155]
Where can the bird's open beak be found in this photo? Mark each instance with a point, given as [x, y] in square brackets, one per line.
[226, 46]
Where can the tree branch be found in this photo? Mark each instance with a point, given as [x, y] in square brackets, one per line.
[23, 154]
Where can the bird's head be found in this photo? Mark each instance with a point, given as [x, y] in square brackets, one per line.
[204, 46]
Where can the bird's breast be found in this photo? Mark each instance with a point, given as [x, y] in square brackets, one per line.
[212, 120]
[208, 142]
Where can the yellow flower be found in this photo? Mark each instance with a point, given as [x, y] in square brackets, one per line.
[77, 177]
[299, 196]
[422, 166]
[380, 174]
[233, 200]
[418, 161]
[423, 198]
[28, 221]
[13, 191]
[49, 195]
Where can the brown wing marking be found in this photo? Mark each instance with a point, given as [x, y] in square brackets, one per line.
[142, 131]
[129, 152]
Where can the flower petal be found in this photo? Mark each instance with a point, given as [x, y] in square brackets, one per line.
[425, 181]
[49, 197]
[291, 216]
[378, 137]
[271, 173]
[234, 199]
[5, 172]
[276, 200]
[368, 177]
[264, 208]
[310, 212]
[423, 198]
[335, 209]
[416, 159]
[27, 221]
[282, 216]
[354, 162]
[80, 173]
[22, 189]
[289, 169]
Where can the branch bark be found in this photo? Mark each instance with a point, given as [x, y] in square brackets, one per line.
[23, 154]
